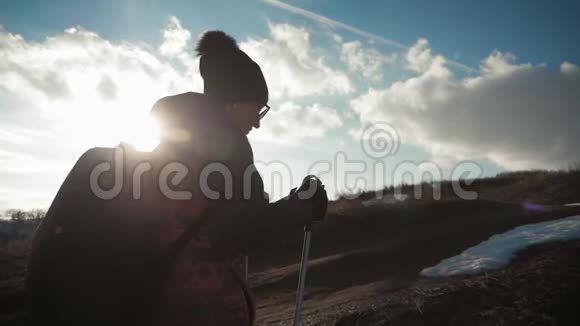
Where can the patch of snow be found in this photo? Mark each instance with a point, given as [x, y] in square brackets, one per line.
[500, 249]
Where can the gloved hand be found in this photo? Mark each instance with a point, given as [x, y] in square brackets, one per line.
[311, 199]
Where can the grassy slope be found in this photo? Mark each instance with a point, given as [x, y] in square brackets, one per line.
[387, 254]
[541, 287]
[364, 256]
[361, 254]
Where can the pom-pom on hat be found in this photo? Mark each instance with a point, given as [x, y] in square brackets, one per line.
[228, 73]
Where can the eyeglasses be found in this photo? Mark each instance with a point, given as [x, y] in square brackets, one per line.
[263, 111]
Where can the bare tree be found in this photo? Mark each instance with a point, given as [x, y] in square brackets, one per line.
[574, 166]
[22, 215]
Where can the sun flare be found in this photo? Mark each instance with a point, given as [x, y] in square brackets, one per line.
[141, 132]
[120, 117]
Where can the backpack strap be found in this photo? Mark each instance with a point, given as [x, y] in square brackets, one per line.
[169, 256]
[156, 280]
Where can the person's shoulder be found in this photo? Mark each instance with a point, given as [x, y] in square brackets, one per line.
[122, 154]
[183, 99]
[184, 107]
[183, 96]
[96, 154]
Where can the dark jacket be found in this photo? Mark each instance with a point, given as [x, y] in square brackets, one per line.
[91, 257]
[208, 285]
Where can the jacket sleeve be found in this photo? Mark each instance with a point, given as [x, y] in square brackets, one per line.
[248, 226]
[246, 220]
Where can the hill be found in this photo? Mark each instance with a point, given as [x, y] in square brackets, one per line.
[366, 259]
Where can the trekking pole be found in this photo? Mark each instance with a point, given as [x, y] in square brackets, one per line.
[302, 276]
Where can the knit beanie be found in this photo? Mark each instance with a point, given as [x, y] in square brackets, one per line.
[228, 73]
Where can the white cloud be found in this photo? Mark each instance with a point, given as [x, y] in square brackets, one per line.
[23, 199]
[176, 45]
[334, 24]
[516, 115]
[569, 68]
[81, 90]
[72, 65]
[501, 64]
[83, 82]
[337, 38]
[294, 123]
[175, 38]
[419, 57]
[290, 66]
[367, 61]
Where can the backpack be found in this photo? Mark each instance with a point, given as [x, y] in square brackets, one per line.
[98, 261]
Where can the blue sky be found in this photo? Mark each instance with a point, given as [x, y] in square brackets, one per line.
[537, 31]
[491, 83]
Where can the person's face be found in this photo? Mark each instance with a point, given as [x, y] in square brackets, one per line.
[245, 116]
